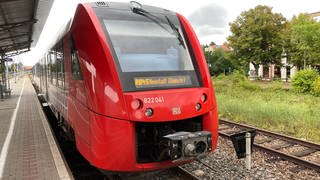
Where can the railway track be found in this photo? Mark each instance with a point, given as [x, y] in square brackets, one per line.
[301, 152]
[184, 174]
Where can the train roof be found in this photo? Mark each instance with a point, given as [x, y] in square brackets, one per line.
[112, 6]
[128, 6]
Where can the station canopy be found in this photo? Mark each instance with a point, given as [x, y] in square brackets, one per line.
[21, 23]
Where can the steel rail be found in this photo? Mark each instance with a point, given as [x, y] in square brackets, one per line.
[186, 174]
[273, 134]
[286, 156]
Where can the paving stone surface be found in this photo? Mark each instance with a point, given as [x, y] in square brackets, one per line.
[29, 155]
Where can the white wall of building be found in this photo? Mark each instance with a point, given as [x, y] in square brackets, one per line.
[271, 71]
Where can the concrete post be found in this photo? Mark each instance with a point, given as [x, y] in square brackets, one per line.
[7, 76]
[248, 150]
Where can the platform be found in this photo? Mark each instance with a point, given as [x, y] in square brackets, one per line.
[28, 148]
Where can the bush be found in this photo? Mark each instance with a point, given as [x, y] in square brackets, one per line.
[302, 81]
[237, 77]
[249, 86]
[233, 79]
[316, 87]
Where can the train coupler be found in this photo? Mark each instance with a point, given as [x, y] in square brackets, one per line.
[188, 145]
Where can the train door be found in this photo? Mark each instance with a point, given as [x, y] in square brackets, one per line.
[78, 110]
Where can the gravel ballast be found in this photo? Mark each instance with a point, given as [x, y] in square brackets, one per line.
[264, 166]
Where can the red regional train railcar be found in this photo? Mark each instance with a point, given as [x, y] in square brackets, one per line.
[131, 83]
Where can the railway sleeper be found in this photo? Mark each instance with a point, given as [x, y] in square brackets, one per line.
[223, 127]
[282, 145]
[303, 153]
[265, 140]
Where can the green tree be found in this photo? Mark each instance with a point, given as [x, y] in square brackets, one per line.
[305, 41]
[206, 53]
[1, 68]
[212, 43]
[13, 67]
[218, 62]
[256, 36]
[285, 37]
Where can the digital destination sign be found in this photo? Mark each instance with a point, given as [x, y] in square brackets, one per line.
[161, 81]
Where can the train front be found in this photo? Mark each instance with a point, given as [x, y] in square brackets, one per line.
[165, 112]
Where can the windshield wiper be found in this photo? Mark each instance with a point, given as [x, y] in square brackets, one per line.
[148, 15]
[156, 20]
[177, 32]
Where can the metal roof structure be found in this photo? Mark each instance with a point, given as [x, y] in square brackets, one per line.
[18, 22]
[42, 12]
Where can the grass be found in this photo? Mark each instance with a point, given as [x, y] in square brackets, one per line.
[272, 106]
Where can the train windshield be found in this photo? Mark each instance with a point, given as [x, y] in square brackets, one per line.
[143, 46]
[151, 53]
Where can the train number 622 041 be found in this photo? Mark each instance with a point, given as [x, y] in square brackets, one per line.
[151, 100]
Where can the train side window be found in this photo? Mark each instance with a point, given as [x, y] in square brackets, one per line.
[53, 57]
[49, 69]
[60, 65]
[75, 66]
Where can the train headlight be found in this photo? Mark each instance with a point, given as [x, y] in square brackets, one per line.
[148, 112]
[203, 97]
[198, 106]
[136, 104]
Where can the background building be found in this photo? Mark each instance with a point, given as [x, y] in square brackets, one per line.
[315, 15]
[285, 71]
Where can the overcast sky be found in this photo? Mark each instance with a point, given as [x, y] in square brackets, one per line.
[209, 18]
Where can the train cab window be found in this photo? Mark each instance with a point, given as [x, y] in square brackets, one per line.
[75, 66]
[162, 59]
[60, 65]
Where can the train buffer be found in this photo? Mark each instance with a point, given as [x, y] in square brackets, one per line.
[28, 148]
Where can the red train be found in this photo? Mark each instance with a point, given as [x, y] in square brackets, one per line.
[132, 86]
